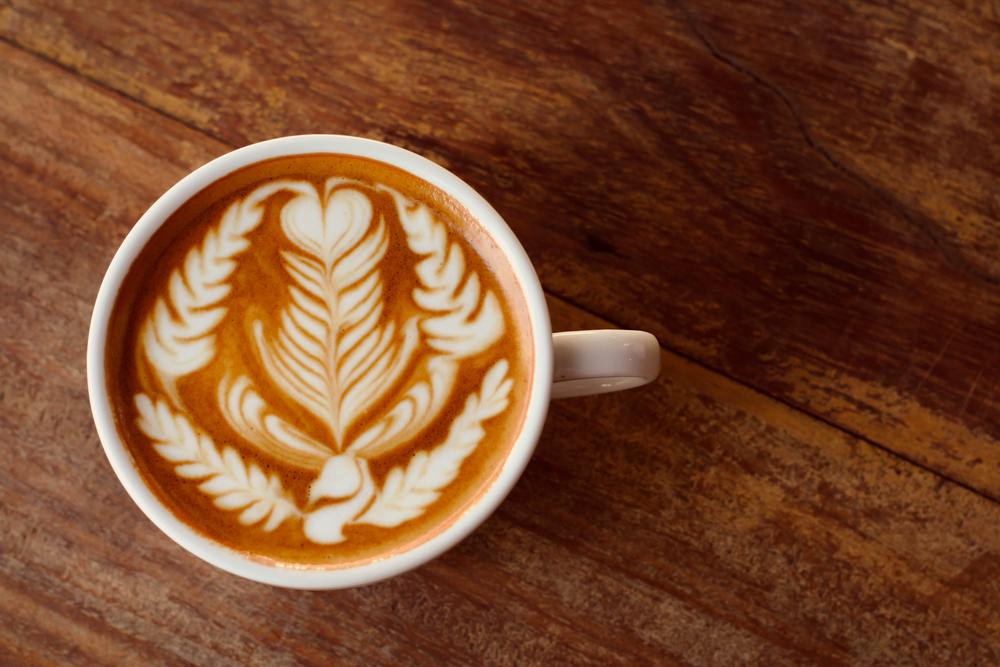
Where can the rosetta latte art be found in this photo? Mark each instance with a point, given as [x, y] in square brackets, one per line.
[335, 354]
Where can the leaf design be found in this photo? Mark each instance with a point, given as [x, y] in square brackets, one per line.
[177, 338]
[335, 353]
[330, 353]
[234, 485]
[453, 329]
[407, 493]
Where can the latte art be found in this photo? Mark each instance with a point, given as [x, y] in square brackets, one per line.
[323, 356]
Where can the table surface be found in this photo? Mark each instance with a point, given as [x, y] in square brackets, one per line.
[800, 199]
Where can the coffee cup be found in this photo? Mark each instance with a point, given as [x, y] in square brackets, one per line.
[321, 361]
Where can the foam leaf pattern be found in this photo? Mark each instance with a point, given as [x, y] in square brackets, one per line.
[408, 492]
[452, 329]
[178, 336]
[330, 354]
[234, 485]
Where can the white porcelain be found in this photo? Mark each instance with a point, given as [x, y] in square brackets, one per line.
[568, 364]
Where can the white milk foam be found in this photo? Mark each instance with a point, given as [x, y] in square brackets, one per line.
[334, 356]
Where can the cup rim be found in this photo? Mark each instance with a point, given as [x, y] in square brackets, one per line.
[305, 577]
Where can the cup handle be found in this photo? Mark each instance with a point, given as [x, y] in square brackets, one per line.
[600, 361]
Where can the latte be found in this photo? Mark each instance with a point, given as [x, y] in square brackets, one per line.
[319, 360]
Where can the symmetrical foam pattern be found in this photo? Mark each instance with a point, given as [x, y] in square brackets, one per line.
[373, 377]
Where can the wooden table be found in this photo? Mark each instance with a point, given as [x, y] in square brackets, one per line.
[800, 199]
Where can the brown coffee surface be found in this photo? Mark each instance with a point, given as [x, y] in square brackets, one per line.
[319, 360]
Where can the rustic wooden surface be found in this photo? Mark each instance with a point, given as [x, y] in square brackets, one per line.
[800, 199]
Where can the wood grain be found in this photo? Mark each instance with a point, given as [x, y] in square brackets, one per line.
[668, 167]
[806, 198]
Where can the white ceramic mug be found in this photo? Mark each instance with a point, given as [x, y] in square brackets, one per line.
[566, 364]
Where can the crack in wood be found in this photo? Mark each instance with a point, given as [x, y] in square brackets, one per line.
[927, 225]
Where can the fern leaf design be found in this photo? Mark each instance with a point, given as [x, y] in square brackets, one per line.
[329, 354]
[234, 485]
[406, 494]
[452, 329]
[178, 336]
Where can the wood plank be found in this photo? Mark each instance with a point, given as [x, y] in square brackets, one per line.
[798, 196]
[694, 522]
[901, 99]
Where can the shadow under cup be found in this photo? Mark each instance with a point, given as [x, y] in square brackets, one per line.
[349, 459]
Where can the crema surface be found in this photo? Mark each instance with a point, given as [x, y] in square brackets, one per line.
[319, 360]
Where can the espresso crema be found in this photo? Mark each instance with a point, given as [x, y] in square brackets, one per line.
[319, 360]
